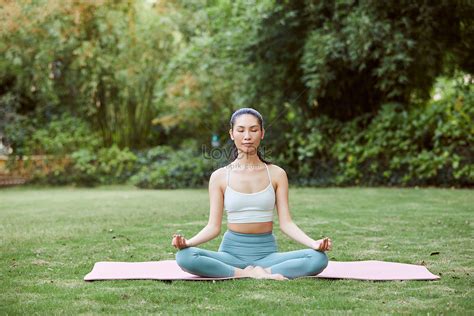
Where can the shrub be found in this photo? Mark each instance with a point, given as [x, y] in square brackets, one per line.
[165, 168]
[430, 144]
[87, 167]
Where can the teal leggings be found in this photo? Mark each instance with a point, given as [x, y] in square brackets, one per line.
[241, 250]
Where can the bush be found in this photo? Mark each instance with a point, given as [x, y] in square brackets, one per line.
[89, 168]
[115, 165]
[63, 135]
[71, 153]
[165, 168]
[427, 145]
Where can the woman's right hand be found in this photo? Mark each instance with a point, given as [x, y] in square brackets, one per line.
[179, 241]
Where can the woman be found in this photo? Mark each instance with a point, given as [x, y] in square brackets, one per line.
[248, 189]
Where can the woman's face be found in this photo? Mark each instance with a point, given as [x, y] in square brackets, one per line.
[247, 133]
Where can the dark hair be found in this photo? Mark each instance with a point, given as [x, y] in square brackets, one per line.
[234, 152]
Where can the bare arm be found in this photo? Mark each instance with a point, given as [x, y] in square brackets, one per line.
[213, 227]
[287, 226]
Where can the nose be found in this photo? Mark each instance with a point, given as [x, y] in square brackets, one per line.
[247, 135]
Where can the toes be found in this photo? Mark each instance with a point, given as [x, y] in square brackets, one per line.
[279, 277]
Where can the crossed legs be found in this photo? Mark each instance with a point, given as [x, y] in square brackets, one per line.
[290, 264]
[294, 264]
[208, 263]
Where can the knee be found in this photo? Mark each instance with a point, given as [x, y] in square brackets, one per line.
[185, 256]
[318, 261]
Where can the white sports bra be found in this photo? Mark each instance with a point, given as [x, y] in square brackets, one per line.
[249, 207]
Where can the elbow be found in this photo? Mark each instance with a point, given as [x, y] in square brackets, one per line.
[215, 229]
[284, 225]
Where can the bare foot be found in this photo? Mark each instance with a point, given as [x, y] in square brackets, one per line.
[261, 273]
[244, 273]
[277, 276]
[258, 273]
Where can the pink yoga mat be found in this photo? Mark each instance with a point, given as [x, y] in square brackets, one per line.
[169, 270]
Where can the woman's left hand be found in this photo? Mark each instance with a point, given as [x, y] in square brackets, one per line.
[324, 244]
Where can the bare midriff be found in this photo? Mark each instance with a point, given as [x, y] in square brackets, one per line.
[251, 228]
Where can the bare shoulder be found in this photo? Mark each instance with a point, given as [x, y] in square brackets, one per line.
[218, 177]
[277, 172]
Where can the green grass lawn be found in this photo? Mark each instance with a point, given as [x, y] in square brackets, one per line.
[51, 238]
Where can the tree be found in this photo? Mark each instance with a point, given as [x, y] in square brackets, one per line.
[348, 58]
[99, 60]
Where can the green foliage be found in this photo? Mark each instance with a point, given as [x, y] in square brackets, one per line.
[347, 58]
[76, 77]
[427, 145]
[14, 127]
[63, 135]
[165, 168]
[87, 167]
[115, 165]
[99, 60]
[205, 81]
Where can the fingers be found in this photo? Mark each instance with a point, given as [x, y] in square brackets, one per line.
[183, 242]
[322, 245]
[174, 241]
[328, 244]
[178, 241]
[325, 244]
